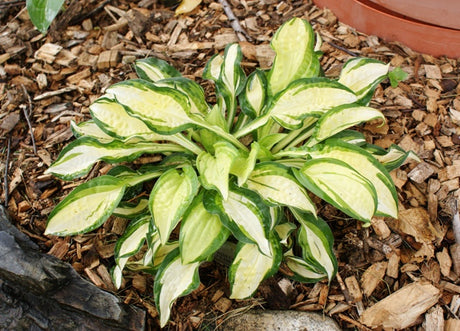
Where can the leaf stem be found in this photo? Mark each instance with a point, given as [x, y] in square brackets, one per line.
[295, 136]
[251, 126]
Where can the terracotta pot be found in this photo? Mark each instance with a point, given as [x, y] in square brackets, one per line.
[445, 13]
[368, 17]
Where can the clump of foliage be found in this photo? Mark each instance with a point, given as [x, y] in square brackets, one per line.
[244, 169]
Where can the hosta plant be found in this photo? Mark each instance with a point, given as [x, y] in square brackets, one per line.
[244, 169]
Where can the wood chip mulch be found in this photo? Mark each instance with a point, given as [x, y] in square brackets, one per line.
[401, 274]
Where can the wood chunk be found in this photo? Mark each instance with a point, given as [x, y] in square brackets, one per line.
[106, 278]
[222, 40]
[402, 308]
[65, 58]
[139, 283]
[353, 289]
[76, 78]
[408, 144]
[47, 52]
[380, 227]
[393, 265]
[455, 254]
[432, 71]
[445, 262]
[151, 309]
[421, 172]
[450, 287]
[322, 299]
[265, 55]
[108, 59]
[223, 304]
[416, 222]
[60, 248]
[93, 276]
[399, 178]
[339, 308]
[452, 325]
[217, 295]
[431, 271]
[434, 319]
[9, 121]
[372, 277]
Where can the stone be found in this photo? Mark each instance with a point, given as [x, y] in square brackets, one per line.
[279, 320]
[40, 292]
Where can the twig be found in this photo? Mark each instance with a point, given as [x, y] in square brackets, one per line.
[12, 3]
[343, 49]
[456, 223]
[5, 179]
[26, 115]
[358, 325]
[234, 22]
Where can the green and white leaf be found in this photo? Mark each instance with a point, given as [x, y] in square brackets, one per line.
[77, 158]
[295, 58]
[343, 117]
[284, 230]
[250, 267]
[162, 252]
[244, 213]
[367, 166]
[214, 170]
[129, 244]
[340, 185]
[302, 270]
[202, 233]
[232, 75]
[90, 129]
[191, 89]
[253, 97]
[275, 184]
[113, 119]
[171, 196]
[316, 240]
[153, 69]
[308, 97]
[172, 281]
[243, 164]
[213, 68]
[362, 75]
[131, 210]
[394, 157]
[163, 109]
[86, 207]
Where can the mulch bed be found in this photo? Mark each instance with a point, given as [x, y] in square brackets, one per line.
[47, 81]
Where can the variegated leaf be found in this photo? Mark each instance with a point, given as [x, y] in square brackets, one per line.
[316, 240]
[362, 75]
[86, 207]
[343, 117]
[202, 233]
[77, 158]
[171, 196]
[153, 69]
[250, 267]
[275, 184]
[367, 166]
[294, 44]
[244, 213]
[214, 170]
[129, 244]
[340, 185]
[172, 281]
